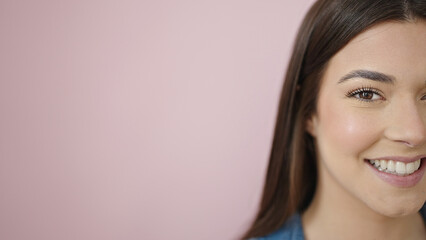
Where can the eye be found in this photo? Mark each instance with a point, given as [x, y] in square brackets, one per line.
[365, 94]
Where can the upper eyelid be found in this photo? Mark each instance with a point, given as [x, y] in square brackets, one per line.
[354, 92]
[364, 89]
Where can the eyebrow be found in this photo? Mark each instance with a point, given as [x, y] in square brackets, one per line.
[367, 74]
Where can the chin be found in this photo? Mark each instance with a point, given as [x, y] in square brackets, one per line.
[394, 208]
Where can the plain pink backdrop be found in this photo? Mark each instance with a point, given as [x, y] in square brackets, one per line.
[138, 119]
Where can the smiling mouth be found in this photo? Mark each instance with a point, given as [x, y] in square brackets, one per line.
[396, 167]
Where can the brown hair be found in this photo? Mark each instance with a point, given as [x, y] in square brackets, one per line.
[328, 26]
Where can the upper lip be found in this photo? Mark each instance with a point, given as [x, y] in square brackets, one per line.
[400, 158]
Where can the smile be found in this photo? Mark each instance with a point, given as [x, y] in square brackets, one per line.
[401, 172]
[396, 167]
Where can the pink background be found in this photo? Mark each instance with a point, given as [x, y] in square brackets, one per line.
[138, 119]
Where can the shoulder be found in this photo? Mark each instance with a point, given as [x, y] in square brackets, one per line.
[291, 230]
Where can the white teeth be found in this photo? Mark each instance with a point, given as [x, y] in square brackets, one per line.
[391, 166]
[400, 168]
[383, 164]
[396, 167]
[416, 165]
[377, 163]
[409, 167]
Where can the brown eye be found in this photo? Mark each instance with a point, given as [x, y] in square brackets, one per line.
[366, 95]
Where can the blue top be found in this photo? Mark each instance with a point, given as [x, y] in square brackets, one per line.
[293, 230]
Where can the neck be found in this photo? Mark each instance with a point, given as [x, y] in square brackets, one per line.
[335, 214]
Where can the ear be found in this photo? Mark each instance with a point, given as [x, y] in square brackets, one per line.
[311, 125]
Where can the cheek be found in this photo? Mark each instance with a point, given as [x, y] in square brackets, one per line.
[349, 130]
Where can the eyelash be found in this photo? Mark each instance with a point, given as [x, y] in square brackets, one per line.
[353, 93]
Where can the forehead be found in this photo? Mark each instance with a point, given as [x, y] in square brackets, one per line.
[395, 48]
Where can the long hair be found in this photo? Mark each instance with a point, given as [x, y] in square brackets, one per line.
[292, 172]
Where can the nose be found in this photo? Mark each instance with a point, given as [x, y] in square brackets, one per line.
[407, 124]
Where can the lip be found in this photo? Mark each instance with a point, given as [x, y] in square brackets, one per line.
[400, 181]
[400, 158]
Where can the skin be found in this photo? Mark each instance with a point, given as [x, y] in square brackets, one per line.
[351, 202]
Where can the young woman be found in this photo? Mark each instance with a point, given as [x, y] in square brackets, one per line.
[349, 153]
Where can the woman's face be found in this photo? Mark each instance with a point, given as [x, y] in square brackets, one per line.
[372, 106]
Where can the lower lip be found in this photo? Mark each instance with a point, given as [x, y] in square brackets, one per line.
[401, 181]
